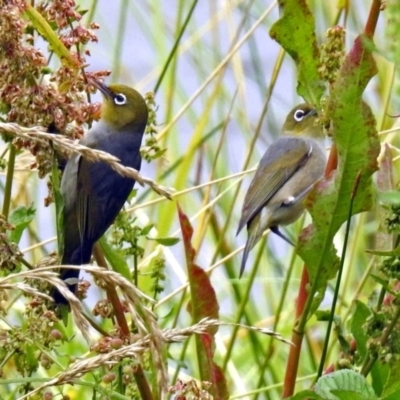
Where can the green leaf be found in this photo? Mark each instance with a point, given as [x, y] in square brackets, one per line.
[323, 315]
[384, 283]
[392, 385]
[295, 32]
[361, 313]
[82, 11]
[392, 396]
[343, 384]
[117, 262]
[350, 395]
[166, 241]
[21, 217]
[159, 153]
[203, 304]
[391, 197]
[358, 147]
[306, 395]
[379, 374]
[47, 32]
[145, 230]
[31, 357]
[388, 253]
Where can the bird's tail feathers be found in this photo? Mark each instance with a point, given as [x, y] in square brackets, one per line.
[78, 256]
[252, 239]
[65, 274]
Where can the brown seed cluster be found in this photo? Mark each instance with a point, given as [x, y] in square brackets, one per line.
[60, 11]
[191, 390]
[31, 93]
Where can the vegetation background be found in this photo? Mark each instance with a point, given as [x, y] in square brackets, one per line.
[222, 89]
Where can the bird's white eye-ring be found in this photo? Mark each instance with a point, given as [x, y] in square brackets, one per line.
[298, 115]
[120, 99]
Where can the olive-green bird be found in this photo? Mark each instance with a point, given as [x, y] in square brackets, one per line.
[93, 192]
[286, 173]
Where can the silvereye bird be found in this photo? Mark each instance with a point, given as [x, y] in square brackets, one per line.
[286, 173]
[93, 192]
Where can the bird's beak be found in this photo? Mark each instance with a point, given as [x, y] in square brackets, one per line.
[104, 89]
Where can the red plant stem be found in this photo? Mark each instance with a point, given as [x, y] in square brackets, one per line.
[112, 295]
[373, 16]
[332, 163]
[297, 335]
[297, 339]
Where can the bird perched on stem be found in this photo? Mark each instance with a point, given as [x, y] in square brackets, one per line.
[286, 173]
[93, 192]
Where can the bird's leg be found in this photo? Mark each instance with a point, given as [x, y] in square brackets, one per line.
[276, 230]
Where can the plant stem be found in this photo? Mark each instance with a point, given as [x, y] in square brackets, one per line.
[303, 305]
[112, 295]
[175, 47]
[339, 278]
[9, 182]
[297, 339]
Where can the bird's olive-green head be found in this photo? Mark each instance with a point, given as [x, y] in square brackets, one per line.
[123, 107]
[302, 121]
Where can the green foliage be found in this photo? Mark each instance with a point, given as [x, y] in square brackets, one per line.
[21, 217]
[295, 32]
[355, 137]
[344, 385]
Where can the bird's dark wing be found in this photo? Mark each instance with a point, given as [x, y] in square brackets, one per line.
[101, 195]
[270, 176]
[94, 194]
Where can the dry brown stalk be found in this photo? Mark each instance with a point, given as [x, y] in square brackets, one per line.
[63, 143]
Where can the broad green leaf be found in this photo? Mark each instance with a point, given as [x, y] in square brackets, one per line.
[295, 32]
[343, 384]
[358, 147]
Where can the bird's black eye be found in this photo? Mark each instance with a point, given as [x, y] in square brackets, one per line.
[120, 99]
[298, 115]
